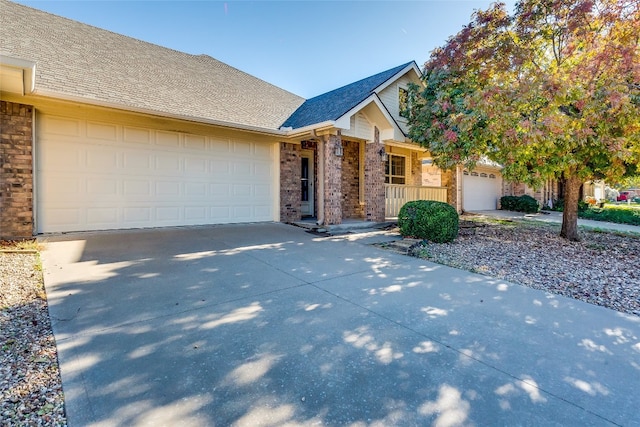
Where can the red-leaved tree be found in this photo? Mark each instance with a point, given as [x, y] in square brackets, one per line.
[549, 92]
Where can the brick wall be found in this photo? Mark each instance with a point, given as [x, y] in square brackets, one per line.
[374, 180]
[332, 181]
[514, 188]
[351, 207]
[289, 182]
[16, 170]
[450, 180]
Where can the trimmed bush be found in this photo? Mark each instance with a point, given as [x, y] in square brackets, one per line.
[430, 220]
[519, 204]
[612, 213]
[508, 203]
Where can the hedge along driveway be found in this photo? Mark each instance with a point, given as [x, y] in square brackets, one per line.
[619, 214]
[265, 324]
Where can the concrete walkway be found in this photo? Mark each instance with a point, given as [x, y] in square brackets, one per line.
[556, 218]
[266, 324]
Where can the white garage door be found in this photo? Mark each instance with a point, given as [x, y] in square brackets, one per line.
[97, 176]
[481, 190]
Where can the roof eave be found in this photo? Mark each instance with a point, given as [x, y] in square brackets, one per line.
[411, 66]
[202, 120]
[24, 70]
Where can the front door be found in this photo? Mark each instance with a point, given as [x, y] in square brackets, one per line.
[306, 183]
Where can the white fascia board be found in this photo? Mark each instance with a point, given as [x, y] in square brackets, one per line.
[308, 129]
[28, 69]
[88, 101]
[399, 74]
[344, 122]
[408, 145]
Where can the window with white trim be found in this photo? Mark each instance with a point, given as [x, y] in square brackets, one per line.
[394, 170]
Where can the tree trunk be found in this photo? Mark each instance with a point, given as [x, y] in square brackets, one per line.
[570, 213]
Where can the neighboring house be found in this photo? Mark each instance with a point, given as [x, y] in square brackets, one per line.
[102, 131]
[546, 195]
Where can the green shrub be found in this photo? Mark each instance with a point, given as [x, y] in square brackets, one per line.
[519, 204]
[508, 203]
[558, 205]
[612, 213]
[583, 206]
[430, 220]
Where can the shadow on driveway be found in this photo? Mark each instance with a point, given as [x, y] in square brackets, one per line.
[265, 325]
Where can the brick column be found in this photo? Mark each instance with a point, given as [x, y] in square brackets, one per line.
[290, 182]
[332, 181]
[351, 180]
[374, 180]
[16, 170]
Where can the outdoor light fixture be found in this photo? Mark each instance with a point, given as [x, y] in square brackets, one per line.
[383, 154]
[339, 150]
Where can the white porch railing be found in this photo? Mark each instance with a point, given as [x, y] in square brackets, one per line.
[396, 195]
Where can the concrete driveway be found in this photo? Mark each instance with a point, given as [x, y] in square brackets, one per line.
[265, 325]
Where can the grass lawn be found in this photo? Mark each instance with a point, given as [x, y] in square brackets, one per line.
[621, 214]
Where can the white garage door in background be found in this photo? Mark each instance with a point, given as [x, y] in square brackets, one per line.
[97, 176]
[481, 190]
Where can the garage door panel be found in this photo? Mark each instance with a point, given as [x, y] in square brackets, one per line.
[196, 189]
[167, 164]
[195, 142]
[102, 216]
[220, 145]
[220, 190]
[242, 148]
[62, 218]
[242, 168]
[102, 131]
[195, 213]
[262, 211]
[168, 213]
[195, 166]
[167, 189]
[146, 178]
[220, 168]
[136, 135]
[137, 188]
[167, 139]
[61, 156]
[66, 127]
[137, 215]
[136, 162]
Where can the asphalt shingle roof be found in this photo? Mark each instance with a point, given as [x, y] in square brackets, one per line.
[100, 66]
[333, 105]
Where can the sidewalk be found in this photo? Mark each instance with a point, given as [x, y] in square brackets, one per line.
[556, 217]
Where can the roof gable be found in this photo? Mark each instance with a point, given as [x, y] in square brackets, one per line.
[332, 105]
[89, 64]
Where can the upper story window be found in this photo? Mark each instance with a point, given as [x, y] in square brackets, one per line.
[403, 102]
[394, 170]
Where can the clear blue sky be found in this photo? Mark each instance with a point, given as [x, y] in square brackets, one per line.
[306, 47]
